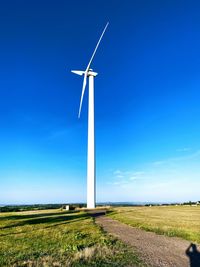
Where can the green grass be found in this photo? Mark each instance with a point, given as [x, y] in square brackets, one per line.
[56, 238]
[180, 221]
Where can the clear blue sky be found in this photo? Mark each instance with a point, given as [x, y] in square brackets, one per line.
[147, 100]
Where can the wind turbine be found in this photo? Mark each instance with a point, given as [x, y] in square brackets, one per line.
[91, 162]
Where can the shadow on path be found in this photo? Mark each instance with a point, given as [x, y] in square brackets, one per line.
[98, 213]
[194, 255]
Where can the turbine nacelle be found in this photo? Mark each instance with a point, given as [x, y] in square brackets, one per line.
[92, 73]
[80, 72]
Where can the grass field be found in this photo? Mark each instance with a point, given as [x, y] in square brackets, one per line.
[56, 238]
[181, 221]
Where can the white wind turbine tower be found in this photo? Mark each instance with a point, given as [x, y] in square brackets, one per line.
[91, 172]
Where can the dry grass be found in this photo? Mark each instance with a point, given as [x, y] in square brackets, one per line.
[90, 252]
[181, 221]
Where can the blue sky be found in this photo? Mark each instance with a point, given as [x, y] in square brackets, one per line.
[146, 100]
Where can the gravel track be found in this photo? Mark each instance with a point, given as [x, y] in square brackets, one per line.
[155, 250]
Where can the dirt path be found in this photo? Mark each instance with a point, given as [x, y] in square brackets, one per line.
[155, 250]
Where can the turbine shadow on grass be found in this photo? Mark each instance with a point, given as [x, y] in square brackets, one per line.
[43, 228]
[47, 219]
[27, 216]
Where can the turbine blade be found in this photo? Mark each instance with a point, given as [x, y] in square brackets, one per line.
[88, 66]
[82, 94]
[79, 72]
